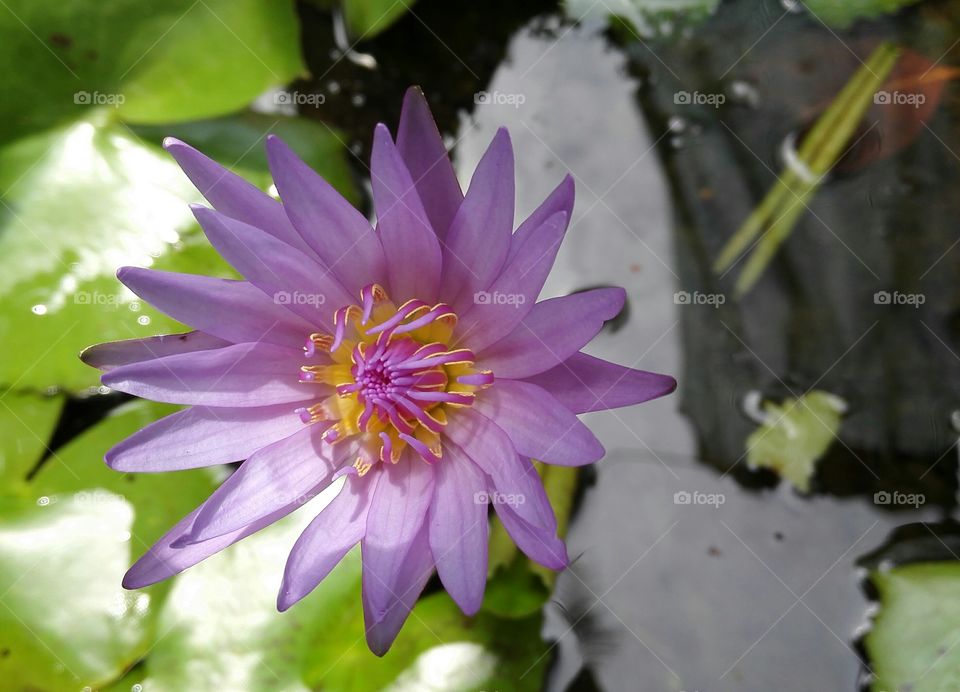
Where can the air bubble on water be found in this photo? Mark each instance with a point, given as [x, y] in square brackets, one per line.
[745, 93]
[43, 501]
[143, 320]
[39, 309]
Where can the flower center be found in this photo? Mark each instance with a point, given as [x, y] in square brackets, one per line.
[394, 378]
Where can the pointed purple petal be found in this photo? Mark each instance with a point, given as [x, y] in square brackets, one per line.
[397, 511]
[232, 195]
[492, 451]
[479, 237]
[113, 354]
[514, 293]
[338, 233]
[458, 529]
[410, 244]
[292, 470]
[411, 577]
[538, 425]
[242, 375]
[553, 331]
[162, 561]
[291, 278]
[539, 544]
[421, 147]
[583, 383]
[200, 436]
[233, 310]
[560, 200]
[328, 538]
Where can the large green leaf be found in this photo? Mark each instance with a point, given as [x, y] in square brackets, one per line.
[153, 62]
[85, 199]
[26, 423]
[914, 641]
[66, 539]
[82, 201]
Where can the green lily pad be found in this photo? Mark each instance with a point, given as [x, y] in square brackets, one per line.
[66, 539]
[26, 423]
[794, 435]
[915, 641]
[146, 62]
[237, 141]
[88, 198]
[367, 18]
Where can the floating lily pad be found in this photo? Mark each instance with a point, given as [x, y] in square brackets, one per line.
[26, 423]
[794, 435]
[147, 62]
[88, 198]
[915, 641]
[66, 539]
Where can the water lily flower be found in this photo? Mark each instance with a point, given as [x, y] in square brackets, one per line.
[412, 359]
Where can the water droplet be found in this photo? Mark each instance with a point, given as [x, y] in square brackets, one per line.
[43, 501]
[39, 309]
[143, 320]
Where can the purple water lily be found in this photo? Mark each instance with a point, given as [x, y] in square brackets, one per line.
[430, 377]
